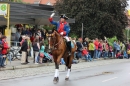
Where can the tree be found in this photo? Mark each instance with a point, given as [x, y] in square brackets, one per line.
[100, 17]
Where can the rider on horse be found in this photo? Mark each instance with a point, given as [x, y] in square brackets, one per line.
[63, 28]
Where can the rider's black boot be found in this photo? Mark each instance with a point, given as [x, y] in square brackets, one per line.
[69, 47]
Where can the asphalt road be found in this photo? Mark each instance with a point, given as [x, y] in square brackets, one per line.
[109, 75]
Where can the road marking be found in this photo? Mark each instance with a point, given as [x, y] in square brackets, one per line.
[109, 79]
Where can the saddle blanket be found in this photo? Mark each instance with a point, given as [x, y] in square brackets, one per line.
[72, 44]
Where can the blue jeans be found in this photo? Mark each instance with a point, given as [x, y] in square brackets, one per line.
[96, 53]
[99, 53]
[105, 55]
[125, 54]
[62, 61]
[38, 58]
[115, 52]
[79, 54]
[111, 54]
[1, 58]
[3, 61]
[88, 57]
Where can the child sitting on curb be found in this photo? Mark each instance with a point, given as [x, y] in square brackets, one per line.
[119, 55]
[85, 53]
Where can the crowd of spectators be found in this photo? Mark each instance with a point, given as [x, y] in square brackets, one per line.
[96, 49]
[32, 43]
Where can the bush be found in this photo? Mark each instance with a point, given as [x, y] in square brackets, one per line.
[111, 40]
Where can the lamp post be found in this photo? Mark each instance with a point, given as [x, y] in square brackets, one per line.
[82, 31]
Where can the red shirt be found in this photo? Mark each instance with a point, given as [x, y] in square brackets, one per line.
[96, 43]
[5, 47]
[84, 52]
[32, 38]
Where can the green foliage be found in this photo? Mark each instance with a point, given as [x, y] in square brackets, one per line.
[127, 34]
[73, 35]
[111, 40]
[100, 17]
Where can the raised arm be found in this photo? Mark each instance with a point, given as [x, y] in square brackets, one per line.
[51, 19]
[52, 22]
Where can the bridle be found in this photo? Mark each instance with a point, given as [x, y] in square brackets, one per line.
[53, 38]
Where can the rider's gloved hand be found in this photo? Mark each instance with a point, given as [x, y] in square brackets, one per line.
[61, 33]
[52, 15]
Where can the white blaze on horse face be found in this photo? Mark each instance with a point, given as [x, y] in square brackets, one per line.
[49, 41]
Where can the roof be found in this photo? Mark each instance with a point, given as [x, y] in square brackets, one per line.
[36, 14]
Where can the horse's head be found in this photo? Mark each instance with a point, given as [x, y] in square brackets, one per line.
[51, 36]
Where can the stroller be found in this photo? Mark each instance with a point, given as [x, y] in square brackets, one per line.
[47, 58]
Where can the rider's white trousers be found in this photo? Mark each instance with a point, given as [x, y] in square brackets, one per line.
[67, 38]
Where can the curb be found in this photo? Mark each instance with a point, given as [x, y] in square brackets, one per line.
[27, 66]
[35, 65]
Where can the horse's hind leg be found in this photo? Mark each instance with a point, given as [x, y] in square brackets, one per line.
[66, 63]
[70, 59]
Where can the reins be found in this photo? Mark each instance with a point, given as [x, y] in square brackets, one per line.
[60, 42]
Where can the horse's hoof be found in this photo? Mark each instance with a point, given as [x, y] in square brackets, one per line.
[56, 80]
[67, 78]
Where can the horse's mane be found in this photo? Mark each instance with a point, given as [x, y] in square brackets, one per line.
[55, 31]
[52, 31]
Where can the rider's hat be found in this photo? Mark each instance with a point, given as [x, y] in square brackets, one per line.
[64, 16]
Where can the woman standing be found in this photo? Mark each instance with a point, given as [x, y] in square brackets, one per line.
[36, 48]
[29, 48]
[100, 49]
[91, 48]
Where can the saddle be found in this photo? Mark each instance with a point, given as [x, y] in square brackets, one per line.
[72, 45]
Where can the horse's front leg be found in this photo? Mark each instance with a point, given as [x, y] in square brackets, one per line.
[56, 76]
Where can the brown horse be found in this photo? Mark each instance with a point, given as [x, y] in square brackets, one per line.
[58, 48]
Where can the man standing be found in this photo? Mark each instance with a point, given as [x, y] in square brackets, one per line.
[79, 48]
[63, 28]
[96, 43]
[115, 48]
